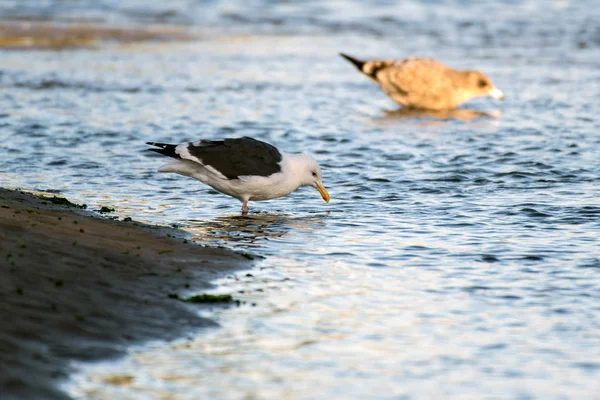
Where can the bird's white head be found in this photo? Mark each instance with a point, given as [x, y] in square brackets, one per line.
[308, 173]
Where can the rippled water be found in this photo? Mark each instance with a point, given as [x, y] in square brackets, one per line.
[457, 259]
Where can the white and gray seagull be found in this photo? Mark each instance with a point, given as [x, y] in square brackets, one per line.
[244, 168]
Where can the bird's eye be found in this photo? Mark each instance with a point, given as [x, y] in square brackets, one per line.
[314, 174]
[482, 83]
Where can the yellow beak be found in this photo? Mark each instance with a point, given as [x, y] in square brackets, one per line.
[324, 193]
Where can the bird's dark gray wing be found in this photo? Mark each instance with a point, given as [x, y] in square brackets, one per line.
[234, 157]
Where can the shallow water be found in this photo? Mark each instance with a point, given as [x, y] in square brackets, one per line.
[457, 259]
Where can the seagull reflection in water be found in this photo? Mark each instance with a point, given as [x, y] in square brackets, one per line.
[252, 230]
[441, 115]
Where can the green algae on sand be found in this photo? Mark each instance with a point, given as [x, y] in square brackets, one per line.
[209, 298]
[63, 201]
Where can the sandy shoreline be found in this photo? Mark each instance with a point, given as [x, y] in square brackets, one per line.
[74, 286]
[32, 34]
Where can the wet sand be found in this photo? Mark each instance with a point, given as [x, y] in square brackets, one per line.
[26, 34]
[76, 286]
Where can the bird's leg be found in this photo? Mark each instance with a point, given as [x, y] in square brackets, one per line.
[245, 208]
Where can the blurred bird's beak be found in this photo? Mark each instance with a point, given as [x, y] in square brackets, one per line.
[496, 93]
[324, 193]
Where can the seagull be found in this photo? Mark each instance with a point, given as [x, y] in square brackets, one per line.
[424, 83]
[244, 168]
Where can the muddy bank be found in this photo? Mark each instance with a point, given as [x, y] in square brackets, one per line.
[78, 287]
[53, 35]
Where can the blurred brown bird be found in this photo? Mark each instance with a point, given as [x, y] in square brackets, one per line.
[424, 83]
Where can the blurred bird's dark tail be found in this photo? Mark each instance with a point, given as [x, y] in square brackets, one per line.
[357, 63]
[164, 149]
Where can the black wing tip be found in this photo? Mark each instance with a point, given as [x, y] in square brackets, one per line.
[164, 149]
[357, 63]
[163, 145]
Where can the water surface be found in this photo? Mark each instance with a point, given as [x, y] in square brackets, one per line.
[457, 259]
